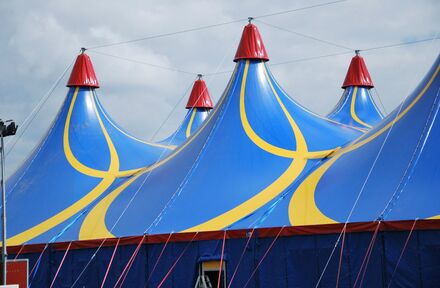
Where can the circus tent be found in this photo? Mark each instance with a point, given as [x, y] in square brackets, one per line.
[229, 183]
[199, 105]
[388, 173]
[83, 155]
[356, 106]
[261, 141]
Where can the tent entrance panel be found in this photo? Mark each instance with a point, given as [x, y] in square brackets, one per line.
[209, 275]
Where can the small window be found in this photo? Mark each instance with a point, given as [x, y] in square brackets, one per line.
[208, 274]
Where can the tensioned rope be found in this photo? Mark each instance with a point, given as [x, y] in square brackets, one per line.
[376, 93]
[158, 259]
[174, 69]
[61, 264]
[36, 265]
[127, 267]
[341, 253]
[361, 50]
[371, 168]
[328, 43]
[402, 252]
[220, 268]
[36, 110]
[305, 35]
[213, 25]
[366, 260]
[172, 113]
[144, 63]
[110, 263]
[241, 257]
[177, 261]
[263, 257]
[414, 157]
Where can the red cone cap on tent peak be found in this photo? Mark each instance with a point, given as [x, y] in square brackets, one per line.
[199, 97]
[251, 45]
[357, 74]
[83, 73]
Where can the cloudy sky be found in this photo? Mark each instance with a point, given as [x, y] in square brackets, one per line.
[41, 38]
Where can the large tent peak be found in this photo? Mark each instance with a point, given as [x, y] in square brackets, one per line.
[83, 73]
[251, 45]
[199, 97]
[357, 74]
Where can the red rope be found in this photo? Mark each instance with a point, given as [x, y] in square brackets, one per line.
[175, 262]
[401, 253]
[38, 260]
[128, 265]
[340, 256]
[110, 263]
[158, 258]
[367, 254]
[129, 268]
[241, 257]
[126, 274]
[368, 261]
[221, 261]
[264, 256]
[19, 252]
[61, 264]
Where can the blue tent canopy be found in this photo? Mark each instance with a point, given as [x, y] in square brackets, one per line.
[356, 106]
[83, 156]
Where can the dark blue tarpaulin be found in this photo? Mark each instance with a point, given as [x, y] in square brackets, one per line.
[293, 261]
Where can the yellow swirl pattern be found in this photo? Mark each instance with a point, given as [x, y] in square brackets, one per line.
[295, 168]
[191, 120]
[104, 184]
[302, 206]
[94, 225]
[353, 111]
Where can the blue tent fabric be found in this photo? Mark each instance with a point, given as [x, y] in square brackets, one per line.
[356, 108]
[193, 120]
[84, 155]
[391, 167]
[262, 122]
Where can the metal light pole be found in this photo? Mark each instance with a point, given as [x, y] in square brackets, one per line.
[4, 251]
[7, 128]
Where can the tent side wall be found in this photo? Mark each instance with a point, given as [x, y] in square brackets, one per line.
[296, 258]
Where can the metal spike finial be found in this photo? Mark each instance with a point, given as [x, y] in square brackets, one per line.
[357, 52]
[250, 19]
[199, 76]
[83, 50]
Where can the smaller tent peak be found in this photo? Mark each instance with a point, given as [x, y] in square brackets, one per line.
[251, 45]
[357, 74]
[83, 73]
[199, 97]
